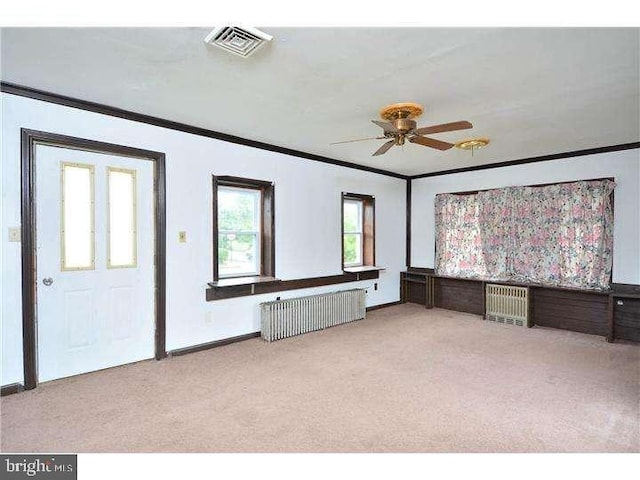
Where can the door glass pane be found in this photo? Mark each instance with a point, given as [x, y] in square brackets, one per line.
[77, 222]
[352, 249]
[237, 254]
[122, 218]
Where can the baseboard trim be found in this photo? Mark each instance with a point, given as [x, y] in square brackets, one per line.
[11, 389]
[206, 346]
[383, 305]
[247, 336]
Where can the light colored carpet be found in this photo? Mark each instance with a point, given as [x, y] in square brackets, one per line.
[406, 379]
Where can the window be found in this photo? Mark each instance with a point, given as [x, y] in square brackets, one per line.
[122, 235]
[77, 230]
[352, 234]
[358, 230]
[238, 231]
[243, 228]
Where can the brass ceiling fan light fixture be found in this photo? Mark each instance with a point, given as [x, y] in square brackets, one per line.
[399, 126]
[472, 144]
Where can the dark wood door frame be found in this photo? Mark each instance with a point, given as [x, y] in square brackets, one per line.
[30, 139]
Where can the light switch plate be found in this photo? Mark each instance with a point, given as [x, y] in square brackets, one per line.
[14, 234]
[182, 237]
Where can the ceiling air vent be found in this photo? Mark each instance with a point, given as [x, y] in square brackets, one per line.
[242, 41]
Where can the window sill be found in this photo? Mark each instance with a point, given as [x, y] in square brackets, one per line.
[241, 287]
[234, 282]
[363, 268]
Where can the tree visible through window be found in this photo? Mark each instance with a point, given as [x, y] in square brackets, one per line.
[238, 231]
[358, 230]
[243, 228]
[352, 236]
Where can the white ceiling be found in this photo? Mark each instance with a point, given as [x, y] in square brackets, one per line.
[532, 91]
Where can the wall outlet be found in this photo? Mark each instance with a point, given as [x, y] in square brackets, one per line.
[182, 237]
[14, 234]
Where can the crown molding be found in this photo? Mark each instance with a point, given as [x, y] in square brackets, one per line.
[543, 158]
[55, 98]
[50, 97]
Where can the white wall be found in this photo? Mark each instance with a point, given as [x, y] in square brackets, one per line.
[307, 221]
[624, 166]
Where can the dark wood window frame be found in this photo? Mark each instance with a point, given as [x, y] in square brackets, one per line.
[245, 286]
[30, 139]
[368, 229]
[267, 229]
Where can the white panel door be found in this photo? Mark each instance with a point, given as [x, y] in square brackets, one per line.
[95, 261]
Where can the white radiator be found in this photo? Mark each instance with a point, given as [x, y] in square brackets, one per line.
[295, 316]
[507, 304]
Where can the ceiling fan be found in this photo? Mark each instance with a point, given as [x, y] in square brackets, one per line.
[400, 127]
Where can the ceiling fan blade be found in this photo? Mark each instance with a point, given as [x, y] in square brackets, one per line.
[444, 127]
[383, 149]
[358, 140]
[387, 127]
[431, 142]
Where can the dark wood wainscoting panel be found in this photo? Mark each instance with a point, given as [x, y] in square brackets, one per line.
[627, 319]
[459, 295]
[614, 314]
[577, 311]
[416, 292]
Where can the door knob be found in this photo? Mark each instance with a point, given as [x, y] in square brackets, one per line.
[47, 281]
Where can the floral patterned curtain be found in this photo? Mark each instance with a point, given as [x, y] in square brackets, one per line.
[458, 240]
[495, 231]
[560, 235]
